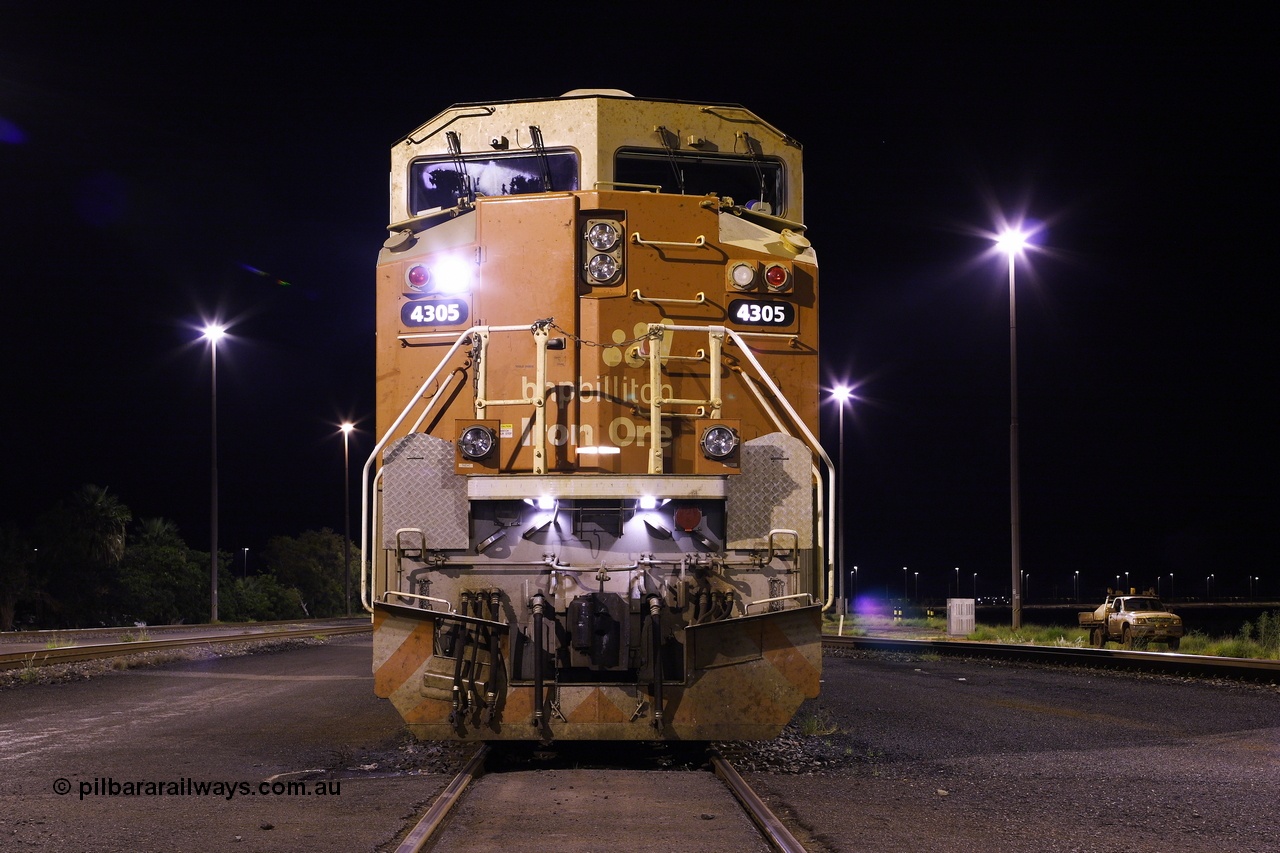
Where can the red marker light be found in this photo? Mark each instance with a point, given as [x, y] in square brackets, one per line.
[417, 277]
[777, 278]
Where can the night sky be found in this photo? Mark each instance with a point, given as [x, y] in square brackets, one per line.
[159, 165]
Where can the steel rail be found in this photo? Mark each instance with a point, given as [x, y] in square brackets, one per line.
[1171, 663]
[435, 816]
[777, 834]
[95, 651]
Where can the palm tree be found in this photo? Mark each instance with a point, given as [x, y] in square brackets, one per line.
[104, 520]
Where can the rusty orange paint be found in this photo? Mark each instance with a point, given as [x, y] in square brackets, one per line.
[401, 664]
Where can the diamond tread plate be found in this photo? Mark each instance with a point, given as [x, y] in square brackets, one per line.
[420, 490]
[774, 490]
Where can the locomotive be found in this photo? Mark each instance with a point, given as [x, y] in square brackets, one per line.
[596, 507]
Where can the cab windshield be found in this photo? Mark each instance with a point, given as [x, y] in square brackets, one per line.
[747, 180]
[439, 182]
[1143, 604]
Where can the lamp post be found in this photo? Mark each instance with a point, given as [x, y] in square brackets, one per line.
[904, 583]
[244, 568]
[1077, 586]
[854, 578]
[1012, 242]
[1171, 585]
[213, 333]
[957, 581]
[346, 428]
[975, 589]
[841, 394]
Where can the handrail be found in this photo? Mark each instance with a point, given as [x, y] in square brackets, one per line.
[699, 243]
[365, 538]
[699, 299]
[807, 595]
[718, 336]
[481, 336]
[388, 593]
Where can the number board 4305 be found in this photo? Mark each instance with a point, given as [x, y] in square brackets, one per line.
[761, 312]
[437, 312]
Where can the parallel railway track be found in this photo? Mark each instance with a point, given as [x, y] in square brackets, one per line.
[87, 647]
[1168, 663]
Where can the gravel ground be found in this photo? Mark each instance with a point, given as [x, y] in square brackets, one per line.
[904, 752]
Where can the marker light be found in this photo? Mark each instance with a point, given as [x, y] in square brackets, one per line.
[777, 278]
[648, 502]
[546, 502]
[742, 276]
[417, 277]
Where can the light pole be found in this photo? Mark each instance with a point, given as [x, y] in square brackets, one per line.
[917, 574]
[213, 333]
[975, 589]
[854, 578]
[244, 569]
[1012, 242]
[1077, 586]
[346, 428]
[1170, 585]
[904, 583]
[957, 581]
[841, 394]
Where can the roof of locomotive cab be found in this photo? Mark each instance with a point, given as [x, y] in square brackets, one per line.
[585, 95]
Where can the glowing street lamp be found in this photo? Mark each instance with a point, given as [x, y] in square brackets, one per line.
[346, 428]
[1012, 241]
[213, 333]
[841, 394]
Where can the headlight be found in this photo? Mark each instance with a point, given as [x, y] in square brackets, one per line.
[602, 251]
[602, 236]
[476, 442]
[603, 267]
[719, 442]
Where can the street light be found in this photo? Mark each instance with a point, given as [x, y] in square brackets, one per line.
[1012, 241]
[917, 574]
[244, 570]
[957, 581]
[346, 428]
[213, 333]
[841, 394]
[1077, 586]
[904, 583]
[854, 578]
[975, 588]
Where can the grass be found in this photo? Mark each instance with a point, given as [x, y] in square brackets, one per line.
[140, 637]
[816, 724]
[56, 642]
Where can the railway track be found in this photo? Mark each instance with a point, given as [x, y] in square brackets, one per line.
[1167, 663]
[77, 646]
[444, 821]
